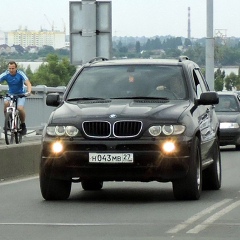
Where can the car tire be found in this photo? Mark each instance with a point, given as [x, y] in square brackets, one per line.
[54, 189]
[190, 187]
[92, 185]
[237, 147]
[212, 176]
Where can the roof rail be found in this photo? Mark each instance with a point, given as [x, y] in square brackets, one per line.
[96, 59]
[182, 58]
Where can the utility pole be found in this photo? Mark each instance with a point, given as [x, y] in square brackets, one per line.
[210, 46]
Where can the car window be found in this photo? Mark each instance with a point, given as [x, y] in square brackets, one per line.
[199, 81]
[130, 81]
[227, 103]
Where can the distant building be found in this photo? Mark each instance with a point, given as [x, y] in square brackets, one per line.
[2, 38]
[27, 38]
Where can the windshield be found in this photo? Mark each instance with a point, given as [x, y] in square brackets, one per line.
[132, 81]
[227, 103]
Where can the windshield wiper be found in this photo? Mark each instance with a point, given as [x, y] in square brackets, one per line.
[142, 97]
[85, 98]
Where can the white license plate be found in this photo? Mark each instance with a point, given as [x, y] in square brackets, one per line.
[111, 157]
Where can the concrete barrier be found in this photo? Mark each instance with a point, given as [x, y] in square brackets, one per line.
[19, 160]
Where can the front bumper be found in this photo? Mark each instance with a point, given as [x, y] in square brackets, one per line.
[149, 163]
[229, 137]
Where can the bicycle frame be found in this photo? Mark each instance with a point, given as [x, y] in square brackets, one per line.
[13, 109]
[12, 120]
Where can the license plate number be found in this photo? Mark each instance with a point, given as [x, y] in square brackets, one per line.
[111, 158]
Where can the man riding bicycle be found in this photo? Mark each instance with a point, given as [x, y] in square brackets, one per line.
[16, 80]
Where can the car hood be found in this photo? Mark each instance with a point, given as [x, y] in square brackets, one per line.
[119, 109]
[228, 116]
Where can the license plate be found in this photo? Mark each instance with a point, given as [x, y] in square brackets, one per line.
[111, 158]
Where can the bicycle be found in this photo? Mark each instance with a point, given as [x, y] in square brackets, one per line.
[12, 124]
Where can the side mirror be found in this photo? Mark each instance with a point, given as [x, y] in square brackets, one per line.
[53, 99]
[208, 98]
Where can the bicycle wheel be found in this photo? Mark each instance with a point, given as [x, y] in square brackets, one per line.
[9, 134]
[17, 133]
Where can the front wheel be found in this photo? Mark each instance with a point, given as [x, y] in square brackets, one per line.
[190, 187]
[237, 147]
[8, 132]
[54, 189]
[212, 176]
[17, 133]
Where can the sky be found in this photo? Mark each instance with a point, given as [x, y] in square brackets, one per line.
[134, 18]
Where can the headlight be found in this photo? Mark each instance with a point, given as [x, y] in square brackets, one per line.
[166, 130]
[225, 125]
[70, 131]
[155, 130]
[60, 130]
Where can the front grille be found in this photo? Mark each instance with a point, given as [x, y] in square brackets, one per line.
[127, 128]
[97, 129]
[119, 129]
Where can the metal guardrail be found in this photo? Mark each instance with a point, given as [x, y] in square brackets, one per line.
[37, 112]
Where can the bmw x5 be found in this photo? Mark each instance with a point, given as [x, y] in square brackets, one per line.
[132, 120]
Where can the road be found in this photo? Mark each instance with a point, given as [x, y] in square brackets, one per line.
[126, 211]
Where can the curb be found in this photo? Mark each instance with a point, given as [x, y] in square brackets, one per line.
[19, 160]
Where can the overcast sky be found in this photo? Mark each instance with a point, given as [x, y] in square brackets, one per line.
[130, 17]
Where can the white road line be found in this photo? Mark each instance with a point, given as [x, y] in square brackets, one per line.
[213, 218]
[3, 183]
[75, 224]
[197, 216]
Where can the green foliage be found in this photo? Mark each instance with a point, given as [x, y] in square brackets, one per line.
[231, 81]
[219, 80]
[54, 72]
[137, 47]
[3, 64]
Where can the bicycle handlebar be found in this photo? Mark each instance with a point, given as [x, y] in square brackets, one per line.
[14, 95]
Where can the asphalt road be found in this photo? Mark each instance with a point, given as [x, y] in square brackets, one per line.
[126, 211]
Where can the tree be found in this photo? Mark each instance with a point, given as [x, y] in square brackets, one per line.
[231, 81]
[54, 72]
[45, 50]
[3, 65]
[137, 47]
[219, 80]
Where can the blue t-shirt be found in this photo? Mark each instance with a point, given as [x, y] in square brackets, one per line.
[15, 82]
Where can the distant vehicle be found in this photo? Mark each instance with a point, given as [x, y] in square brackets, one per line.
[228, 112]
[132, 120]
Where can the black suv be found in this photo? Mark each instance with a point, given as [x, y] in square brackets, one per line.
[132, 120]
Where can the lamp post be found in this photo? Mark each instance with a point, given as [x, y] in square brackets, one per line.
[210, 46]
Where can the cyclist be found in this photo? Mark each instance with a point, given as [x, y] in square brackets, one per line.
[16, 80]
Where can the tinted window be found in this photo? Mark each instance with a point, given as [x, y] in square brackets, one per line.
[130, 81]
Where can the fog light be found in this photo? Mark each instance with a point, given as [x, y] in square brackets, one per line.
[57, 147]
[169, 147]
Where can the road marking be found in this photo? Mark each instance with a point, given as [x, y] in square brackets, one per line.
[76, 224]
[197, 216]
[3, 183]
[213, 218]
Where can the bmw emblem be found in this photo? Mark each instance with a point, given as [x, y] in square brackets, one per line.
[113, 116]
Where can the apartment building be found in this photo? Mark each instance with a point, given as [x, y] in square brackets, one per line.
[26, 38]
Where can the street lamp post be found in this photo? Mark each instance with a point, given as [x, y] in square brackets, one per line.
[210, 46]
